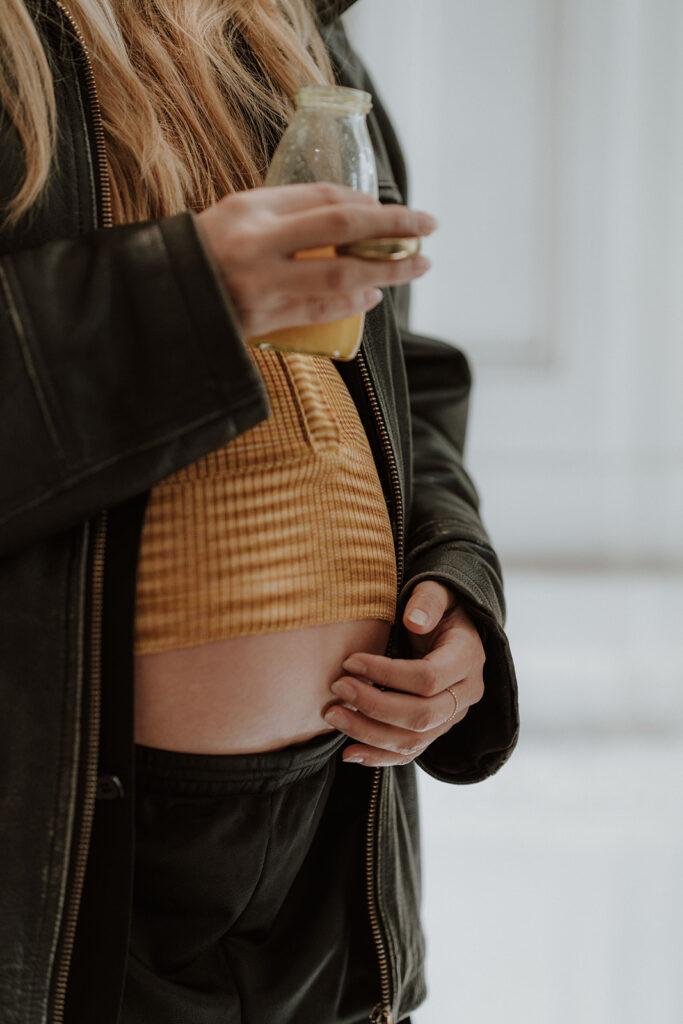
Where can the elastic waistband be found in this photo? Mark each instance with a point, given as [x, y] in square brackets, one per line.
[172, 771]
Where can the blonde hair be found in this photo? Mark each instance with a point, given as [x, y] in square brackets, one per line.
[193, 95]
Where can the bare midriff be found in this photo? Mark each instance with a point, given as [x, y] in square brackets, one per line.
[262, 566]
[247, 693]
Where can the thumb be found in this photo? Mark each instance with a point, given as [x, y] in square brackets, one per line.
[427, 605]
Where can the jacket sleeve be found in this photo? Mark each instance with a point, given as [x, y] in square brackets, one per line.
[446, 541]
[120, 362]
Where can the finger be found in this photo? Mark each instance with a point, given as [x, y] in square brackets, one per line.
[378, 757]
[345, 222]
[425, 676]
[375, 734]
[373, 757]
[342, 274]
[307, 195]
[468, 692]
[428, 603]
[417, 714]
[315, 309]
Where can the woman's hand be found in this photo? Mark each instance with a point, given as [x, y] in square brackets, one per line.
[394, 728]
[253, 234]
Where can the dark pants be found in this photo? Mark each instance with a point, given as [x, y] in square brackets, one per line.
[249, 904]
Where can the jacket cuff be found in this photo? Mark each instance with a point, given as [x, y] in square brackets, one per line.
[477, 746]
[209, 304]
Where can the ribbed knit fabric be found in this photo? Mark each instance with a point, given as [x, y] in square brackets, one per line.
[285, 526]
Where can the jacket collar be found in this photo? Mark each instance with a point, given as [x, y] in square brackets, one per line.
[328, 10]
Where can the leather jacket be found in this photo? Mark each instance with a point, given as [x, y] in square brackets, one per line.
[121, 362]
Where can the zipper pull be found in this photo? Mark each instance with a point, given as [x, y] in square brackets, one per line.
[380, 1015]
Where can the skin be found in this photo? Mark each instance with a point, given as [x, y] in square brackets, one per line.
[256, 693]
[252, 235]
[396, 727]
[247, 693]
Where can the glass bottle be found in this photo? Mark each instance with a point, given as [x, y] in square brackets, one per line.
[326, 140]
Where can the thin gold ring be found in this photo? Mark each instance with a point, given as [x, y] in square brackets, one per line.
[455, 700]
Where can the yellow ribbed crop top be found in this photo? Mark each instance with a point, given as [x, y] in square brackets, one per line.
[284, 526]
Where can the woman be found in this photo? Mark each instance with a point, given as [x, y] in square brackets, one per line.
[183, 838]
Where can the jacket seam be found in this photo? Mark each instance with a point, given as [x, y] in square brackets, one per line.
[463, 537]
[459, 574]
[29, 363]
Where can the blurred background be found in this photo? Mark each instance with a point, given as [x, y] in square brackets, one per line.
[547, 138]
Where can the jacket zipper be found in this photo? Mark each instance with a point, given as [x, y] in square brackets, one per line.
[103, 218]
[102, 172]
[382, 1011]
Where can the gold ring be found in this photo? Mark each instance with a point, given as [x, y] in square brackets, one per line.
[382, 248]
[455, 699]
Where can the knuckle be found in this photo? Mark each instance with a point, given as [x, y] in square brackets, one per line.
[479, 691]
[423, 721]
[243, 240]
[329, 192]
[370, 705]
[231, 204]
[341, 220]
[478, 659]
[336, 277]
[238, 200]
[430, 682]
[316, 308]
[346, 304]
[410, 748]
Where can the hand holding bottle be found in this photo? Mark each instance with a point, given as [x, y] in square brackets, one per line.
[252, 236]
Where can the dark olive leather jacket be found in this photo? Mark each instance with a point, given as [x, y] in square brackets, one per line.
[120, 362]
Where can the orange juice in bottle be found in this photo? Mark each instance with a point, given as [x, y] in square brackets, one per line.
[326, 140]
[339, 339]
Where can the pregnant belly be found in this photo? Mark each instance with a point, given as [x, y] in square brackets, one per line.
[247, 693]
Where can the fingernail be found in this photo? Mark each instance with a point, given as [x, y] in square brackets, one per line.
[332, 715]
[417, 616]
[344, 688]
[355, 758]
[354, 664]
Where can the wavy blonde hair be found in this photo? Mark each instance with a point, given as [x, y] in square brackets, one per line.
[193, 94]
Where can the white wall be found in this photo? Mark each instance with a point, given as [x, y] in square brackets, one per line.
[547, 138]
